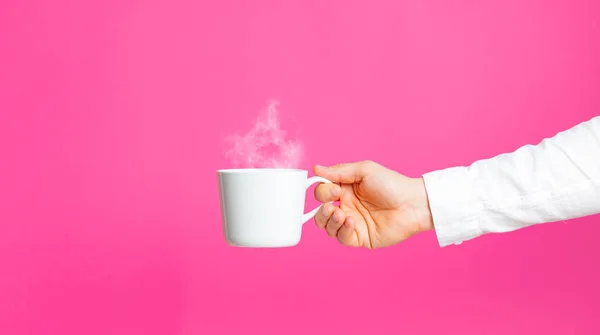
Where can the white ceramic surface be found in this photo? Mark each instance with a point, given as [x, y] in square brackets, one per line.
[264, 207]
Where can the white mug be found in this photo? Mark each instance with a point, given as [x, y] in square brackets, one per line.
[264, 208]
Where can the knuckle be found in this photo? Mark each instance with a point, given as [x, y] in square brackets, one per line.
[332, 232]
[343, 241]
[318, 192]
[320, 222]
[327, 192]
[368, 164]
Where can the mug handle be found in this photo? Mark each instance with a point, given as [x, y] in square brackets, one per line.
[309, 182]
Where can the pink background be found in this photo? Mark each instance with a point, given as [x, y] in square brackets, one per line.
[111, 119]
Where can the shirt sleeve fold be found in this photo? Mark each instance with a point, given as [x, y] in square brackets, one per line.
[557, 179]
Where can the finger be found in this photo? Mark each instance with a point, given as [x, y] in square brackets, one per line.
[347, 173]
[328, 192]
[324, 214]
[335, 222]
[345, 234]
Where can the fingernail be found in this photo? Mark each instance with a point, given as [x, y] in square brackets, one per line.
[335, 217]
[333, 192]
[325, 211]
[321, 166]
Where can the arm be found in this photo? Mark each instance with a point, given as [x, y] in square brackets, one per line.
[557, 179]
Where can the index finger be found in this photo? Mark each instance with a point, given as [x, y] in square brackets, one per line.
[328, 192]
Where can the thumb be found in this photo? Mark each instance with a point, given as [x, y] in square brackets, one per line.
[347, 173]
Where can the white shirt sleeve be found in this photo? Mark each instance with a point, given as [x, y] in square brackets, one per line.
[555, 180]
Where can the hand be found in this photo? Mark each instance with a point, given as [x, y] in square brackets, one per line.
[377, 206]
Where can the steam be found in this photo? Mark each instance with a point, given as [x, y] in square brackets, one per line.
[265, 145]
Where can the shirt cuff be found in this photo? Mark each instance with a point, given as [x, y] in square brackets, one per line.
[454, 205]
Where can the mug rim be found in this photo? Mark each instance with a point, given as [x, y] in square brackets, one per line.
[258, 170]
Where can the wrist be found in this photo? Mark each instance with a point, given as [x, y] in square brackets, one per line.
[422, 205]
